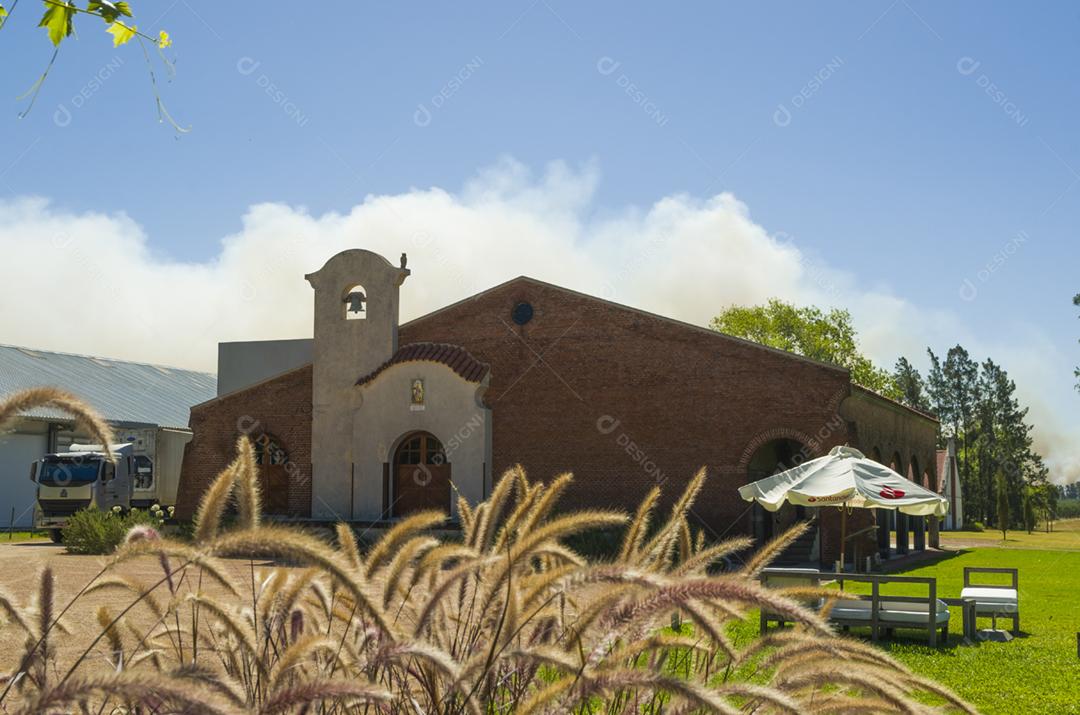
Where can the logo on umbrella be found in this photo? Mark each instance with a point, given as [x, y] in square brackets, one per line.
[890, 493]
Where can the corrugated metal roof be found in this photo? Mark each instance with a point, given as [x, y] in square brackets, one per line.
[121, 391]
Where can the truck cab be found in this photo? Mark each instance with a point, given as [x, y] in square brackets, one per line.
[81, 478]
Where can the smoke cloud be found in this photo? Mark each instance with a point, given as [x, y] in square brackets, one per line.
[108, 292]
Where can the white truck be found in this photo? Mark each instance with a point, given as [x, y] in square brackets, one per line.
[146, 472]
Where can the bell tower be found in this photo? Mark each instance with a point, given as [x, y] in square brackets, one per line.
[356, 329]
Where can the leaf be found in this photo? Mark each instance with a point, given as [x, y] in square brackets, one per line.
[121, 33]
[57, 20]
[3, 12]
[109, 11]
[163, 39]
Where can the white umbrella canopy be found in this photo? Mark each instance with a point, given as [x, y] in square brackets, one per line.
[844, 478]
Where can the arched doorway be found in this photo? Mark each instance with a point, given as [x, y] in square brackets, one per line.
[770, 458]
[421, 475]
[273, 465]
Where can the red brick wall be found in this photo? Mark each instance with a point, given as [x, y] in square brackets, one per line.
[280, 407]
[624, 399]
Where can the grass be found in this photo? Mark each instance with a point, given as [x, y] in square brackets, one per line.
[1039, 672]
[1064, 537]
[1036, 673]
[16, 536]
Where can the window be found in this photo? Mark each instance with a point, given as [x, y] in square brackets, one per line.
[268, 452]
[356, 303]
[144, 472]
[421, 449]
[434, 453]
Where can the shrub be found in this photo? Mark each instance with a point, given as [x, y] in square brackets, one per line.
[92, 531]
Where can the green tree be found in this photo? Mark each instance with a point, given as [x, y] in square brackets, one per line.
[910, 384]
[1002, 506]
[951, 388]
[1029, 509]
[808, 331]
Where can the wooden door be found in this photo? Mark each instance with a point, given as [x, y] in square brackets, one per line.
[274, 482]
[421, 476]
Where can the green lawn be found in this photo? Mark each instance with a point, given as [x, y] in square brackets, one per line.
[1064, 537]
[14, 536]
[1038, 672]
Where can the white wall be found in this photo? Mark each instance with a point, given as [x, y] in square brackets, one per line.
[17, 451]
[453, 413]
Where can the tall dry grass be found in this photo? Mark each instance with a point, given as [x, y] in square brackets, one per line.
[509, 619]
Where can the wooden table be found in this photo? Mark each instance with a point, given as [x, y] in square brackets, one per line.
[967, 606]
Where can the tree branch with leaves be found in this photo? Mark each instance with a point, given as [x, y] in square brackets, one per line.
[59, 21]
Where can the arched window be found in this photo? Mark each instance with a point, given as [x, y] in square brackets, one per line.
[356, 300]
[269, 452]
[421, 449]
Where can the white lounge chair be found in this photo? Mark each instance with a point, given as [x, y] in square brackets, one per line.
[878, 611]
[994, 599]
[887, 612]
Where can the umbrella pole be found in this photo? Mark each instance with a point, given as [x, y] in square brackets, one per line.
[843, 533]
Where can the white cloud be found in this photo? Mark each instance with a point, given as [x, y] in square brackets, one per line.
[91, 283]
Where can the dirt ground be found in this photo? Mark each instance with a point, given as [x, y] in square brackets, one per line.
[21, 565]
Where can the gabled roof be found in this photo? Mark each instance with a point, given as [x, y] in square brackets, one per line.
[456, 358]
[120, 390]
[619, 306]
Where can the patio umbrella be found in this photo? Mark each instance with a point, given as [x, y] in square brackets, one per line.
[845, 478]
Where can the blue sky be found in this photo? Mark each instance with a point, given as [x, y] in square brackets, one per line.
[909, 146]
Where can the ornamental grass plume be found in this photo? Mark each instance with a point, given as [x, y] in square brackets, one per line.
[263, 618]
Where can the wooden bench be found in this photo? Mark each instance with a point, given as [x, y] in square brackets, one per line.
[880, 612]
[994, 599]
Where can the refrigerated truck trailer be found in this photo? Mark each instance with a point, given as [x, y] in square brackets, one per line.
[146, 472]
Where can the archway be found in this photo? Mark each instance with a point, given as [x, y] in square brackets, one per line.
[421, 475]
[772, 457]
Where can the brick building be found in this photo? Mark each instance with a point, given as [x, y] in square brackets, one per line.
[545, 377]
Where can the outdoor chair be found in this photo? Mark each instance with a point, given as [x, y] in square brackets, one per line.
[883, 613]
[994, 599]
[788, 578]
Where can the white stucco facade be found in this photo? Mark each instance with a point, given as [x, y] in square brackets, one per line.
[453, 413]
[363, 401]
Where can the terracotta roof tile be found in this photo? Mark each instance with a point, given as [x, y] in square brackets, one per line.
[456, 358]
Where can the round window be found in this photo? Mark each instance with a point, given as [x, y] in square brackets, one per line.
[522, 313]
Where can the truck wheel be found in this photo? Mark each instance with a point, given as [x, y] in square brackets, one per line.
[56, 535]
